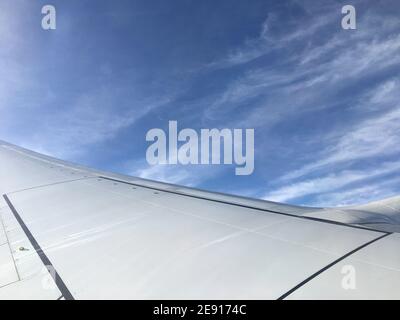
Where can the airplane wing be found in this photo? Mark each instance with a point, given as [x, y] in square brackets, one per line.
[69, 232]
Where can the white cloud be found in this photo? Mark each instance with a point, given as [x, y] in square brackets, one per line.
[329, 183]
[301, 83]
[268, 41]
[176, 174]
[359, 195]
[95, 117]
[301, 80]
[373, 137]
[68, 132]
[165, 173]
[386, 92]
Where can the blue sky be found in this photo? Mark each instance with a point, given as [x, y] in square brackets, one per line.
[324, 102]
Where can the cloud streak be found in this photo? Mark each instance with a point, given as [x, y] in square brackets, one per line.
[373, 137]
[330, 182]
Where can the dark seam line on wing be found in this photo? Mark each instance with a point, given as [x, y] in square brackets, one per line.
[50, 185]
[57, 279]
[330, 265]
[246, 206]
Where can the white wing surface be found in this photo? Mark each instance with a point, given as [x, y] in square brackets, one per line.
[69, 232]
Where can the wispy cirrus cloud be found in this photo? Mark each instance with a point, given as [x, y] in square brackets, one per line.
[93, 118]
[272, 37]
[320, 68]
[373, 137]
[384, 95]
[316, 70]
[179, 174]
[331, 182]
[360, 194]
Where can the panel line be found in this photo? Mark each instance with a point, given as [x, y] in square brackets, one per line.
[285, 295]
[46, 261]
[245, 206]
